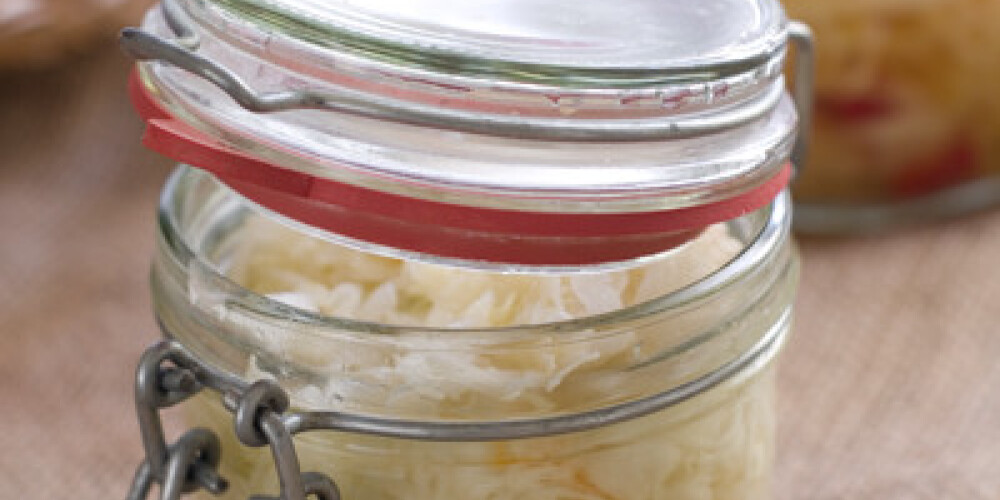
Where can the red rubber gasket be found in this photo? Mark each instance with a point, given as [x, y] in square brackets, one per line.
[444, 229]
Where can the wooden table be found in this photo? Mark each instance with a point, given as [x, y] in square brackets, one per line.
[890, 388]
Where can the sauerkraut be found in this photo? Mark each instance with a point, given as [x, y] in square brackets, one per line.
[717, 446]
[906, 103]
[316, 275]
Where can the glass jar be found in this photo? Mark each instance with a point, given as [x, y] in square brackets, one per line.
[693, 370]
[907, 122]
[488, 256]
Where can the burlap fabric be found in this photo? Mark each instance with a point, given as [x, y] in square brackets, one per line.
[36, 33]
[890, 388]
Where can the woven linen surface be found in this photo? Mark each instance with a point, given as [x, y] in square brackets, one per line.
[890, 387]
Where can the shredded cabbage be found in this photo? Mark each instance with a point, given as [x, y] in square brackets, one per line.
[316, 275]
[717, 446]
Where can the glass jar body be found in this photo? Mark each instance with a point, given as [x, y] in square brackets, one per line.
[718, 446]
[906, 119]
[716, 443]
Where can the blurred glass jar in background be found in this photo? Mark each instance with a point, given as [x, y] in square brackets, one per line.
[907, 123]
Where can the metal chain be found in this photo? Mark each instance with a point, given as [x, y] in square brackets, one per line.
[168, 375]
[259, 423]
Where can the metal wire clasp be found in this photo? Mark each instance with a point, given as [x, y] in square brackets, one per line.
[804, 88]
[168, 375]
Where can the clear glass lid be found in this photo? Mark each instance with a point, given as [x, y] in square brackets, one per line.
[581, 41]
[634, 103]
[554, 119]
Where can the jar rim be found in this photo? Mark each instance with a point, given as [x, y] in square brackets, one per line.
[633, 43]
[770, 229]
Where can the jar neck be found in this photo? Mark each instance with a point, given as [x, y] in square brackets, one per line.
[722, 326]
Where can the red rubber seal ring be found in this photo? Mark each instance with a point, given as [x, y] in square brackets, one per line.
[437, 228]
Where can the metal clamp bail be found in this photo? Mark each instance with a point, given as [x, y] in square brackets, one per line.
[181, 52]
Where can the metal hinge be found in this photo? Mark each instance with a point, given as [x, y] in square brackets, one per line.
[168, 375]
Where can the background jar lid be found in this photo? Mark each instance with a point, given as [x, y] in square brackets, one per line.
[552, 133]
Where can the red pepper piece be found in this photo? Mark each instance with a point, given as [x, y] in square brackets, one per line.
[952, 165]
[854, 109]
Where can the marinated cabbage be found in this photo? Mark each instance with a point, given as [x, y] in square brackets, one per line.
[313, 274]
[716, 446]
